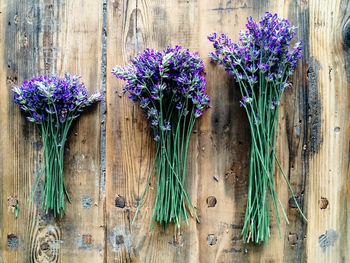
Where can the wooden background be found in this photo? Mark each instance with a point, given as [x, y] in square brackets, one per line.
[110, 149]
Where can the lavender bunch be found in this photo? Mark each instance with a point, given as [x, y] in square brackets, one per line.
[261, 63]
[53, 103]
[169, 88]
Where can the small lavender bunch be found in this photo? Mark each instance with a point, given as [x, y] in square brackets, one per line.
[261, 62]
[169, 88]
[53, 103]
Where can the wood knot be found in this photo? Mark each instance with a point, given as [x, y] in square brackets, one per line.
[47, 244]
[44, 247]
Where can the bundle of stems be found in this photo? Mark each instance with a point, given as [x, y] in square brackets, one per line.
[261, 63]
[261, 190]
[53, 104]
[54, 136]
[169, 87]
[172, 197]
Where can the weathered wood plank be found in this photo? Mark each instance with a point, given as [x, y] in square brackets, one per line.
[19, 140]
[80, 46]
[133, 26]
[224, 144]
[46, 37]
[124, 155]
[328, 188]
[228, 159]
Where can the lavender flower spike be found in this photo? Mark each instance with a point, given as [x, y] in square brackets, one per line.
[169, 88]
[261, 63]
[53, 103]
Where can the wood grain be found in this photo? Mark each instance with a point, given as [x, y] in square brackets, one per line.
[54, 36]
[122, 150]
[80, 47]
[329, 164]
[133, 26]
[50, 37]
[20, 149]
[220, 146]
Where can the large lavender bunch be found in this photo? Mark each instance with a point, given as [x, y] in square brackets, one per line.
[53, 103]
[169, 87]
[261, 62]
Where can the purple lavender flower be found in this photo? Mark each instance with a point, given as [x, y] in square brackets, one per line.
[144, 102]
[44, 96]
[157, 138]
[154, 123]
[198, 113]
[166, 126]
[169, 87]
[53, 103]
[263, 48]
[261, 63]
[173, 78]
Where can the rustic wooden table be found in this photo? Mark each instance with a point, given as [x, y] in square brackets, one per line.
[110, 149]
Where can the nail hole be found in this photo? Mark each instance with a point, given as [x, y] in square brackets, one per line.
[87, 239]
[211, 201]
[211, 239]
[86, 202]
[12, 241]
[323, 203]
[119, 239]
[328, 239]
[292, 239]
[120, 201]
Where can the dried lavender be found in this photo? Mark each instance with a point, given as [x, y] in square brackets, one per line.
[53, 103]
[261, 62]
[169, 88]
